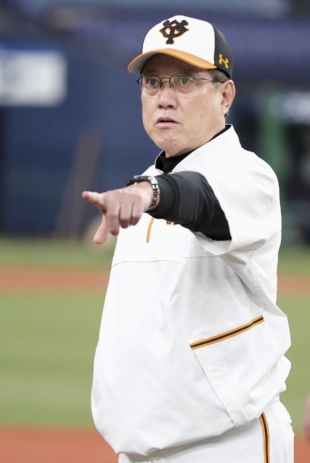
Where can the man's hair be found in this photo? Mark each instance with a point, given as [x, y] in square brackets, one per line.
[219, 76]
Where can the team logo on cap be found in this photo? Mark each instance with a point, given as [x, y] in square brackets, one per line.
[175, 28]
[224, 61]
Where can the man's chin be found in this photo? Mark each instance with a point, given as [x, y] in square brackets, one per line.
[171, 147]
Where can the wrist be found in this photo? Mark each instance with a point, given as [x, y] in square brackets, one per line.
[151, 185]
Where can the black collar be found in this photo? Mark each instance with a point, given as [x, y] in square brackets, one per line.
[167, 165]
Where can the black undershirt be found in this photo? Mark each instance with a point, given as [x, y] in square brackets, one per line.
[186, 198]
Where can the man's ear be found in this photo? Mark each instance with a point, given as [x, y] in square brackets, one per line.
[228, 91]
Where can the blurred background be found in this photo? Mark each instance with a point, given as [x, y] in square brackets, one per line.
[70, 119]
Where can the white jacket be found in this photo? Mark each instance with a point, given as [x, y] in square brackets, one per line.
[192, 342]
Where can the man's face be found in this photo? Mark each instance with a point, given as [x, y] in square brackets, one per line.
[179, 123]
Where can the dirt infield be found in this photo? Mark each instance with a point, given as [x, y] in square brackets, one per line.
[21, 279]
[54, 446]
[294, 285]
[76, 446]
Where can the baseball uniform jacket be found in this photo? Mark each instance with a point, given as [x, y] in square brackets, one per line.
[192, 342]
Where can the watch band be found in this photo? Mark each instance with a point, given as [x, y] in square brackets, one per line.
[152, 181]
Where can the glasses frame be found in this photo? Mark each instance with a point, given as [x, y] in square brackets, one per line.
[168, 79]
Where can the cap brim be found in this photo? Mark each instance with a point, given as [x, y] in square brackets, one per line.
[138, 63]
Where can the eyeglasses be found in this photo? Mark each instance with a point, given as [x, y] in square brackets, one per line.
[181, 83]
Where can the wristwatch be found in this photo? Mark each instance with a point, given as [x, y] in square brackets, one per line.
[152, 181]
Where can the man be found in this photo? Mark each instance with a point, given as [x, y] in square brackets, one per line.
[190, 361]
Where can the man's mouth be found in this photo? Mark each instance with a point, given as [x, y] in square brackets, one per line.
[165, 121]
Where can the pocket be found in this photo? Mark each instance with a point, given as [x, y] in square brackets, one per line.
[237, 359]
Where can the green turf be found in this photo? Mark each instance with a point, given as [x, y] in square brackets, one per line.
[47, 342]
[37, 251]
[298, 383]
[294, 260]
[34, 251]
[47, 345]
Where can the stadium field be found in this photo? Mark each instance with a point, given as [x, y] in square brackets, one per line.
[51, 301]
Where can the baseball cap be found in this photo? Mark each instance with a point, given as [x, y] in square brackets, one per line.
[191, 40]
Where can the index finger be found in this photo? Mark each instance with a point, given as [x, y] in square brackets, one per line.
[93, 198]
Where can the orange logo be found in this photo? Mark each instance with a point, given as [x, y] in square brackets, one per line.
[224, 61]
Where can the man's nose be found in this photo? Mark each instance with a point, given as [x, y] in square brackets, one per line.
[167, 95]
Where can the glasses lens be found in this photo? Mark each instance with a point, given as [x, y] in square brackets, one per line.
[151, 84]
[182, 83]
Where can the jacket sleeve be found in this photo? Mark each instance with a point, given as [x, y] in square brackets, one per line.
[186, 198]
